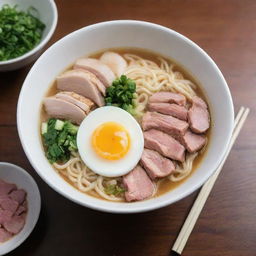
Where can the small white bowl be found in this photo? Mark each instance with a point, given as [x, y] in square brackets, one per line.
[14, 174]
[125, 33]
[48, 15]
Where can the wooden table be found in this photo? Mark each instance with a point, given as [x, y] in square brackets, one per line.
[227, 225]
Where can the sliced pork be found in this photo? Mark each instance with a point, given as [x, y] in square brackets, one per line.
[79, 82]
[95, 80]
[101, 70]
[4, 235]
[155, 164]
[174, 110]
[92, 79]
[21, 210]
[198, 116]
[164, 144]
[76, 99]
[62, 109]
[18, 195]
[13, 208]
[168, 97]
[5, 215]
[115, 61]
[193, 142]
[138, 185]
[6, 203]
[15, 224]
[6, 188]
[168, 124]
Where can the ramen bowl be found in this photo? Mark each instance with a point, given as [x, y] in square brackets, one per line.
[115, 34]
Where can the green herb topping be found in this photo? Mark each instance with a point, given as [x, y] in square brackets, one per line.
[19, 31]
[114, 190]
[121, 94]
[59, 138]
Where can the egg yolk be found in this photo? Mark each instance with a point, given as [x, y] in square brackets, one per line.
[111, 141]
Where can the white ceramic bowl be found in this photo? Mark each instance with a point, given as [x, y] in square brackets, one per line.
[14, 174]
[125, 33]
[48, 15]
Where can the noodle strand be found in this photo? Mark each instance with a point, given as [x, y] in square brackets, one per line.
[150, 77]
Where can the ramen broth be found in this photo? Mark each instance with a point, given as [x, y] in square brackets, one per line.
[165, 184]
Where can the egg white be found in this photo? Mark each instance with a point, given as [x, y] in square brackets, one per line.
[101, 166]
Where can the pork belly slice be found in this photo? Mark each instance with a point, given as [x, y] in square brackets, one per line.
[76, 99]
[198, 116]
[4, 235]
[155, 164]
[101, 70]
[174, 110]
[15, 224]
[6, 188]
[115, 61]
[164, 144]
[79, 82]
[168, 97]
[193, 142]
[138, 185]
[62, 109]
[168, 124]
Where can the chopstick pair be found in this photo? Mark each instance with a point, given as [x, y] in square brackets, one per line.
[200, 201]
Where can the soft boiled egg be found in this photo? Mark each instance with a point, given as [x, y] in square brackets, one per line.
[110, 141]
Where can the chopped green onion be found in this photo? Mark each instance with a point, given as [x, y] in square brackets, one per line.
[71, 128]
[19, 31]
[122, 94]
[44, 128]
[115, 190]
[59, 125]
[59, 138]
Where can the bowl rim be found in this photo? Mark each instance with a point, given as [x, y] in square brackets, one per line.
[42, 43]
[35, 217]
[135, 208]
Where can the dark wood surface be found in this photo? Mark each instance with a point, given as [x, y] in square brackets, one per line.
[227, 225]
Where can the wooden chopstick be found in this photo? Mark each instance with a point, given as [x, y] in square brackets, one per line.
[207, 187]
[199, 203]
